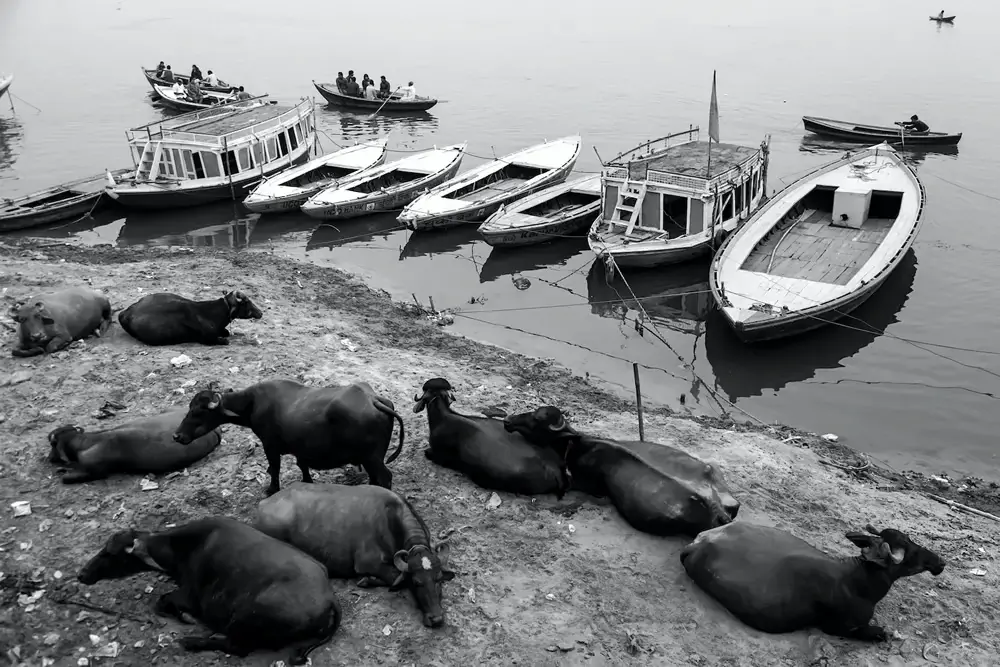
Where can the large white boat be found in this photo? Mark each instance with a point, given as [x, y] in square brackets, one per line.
[674, 198]
[214, 154]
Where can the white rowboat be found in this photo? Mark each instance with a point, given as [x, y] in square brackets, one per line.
[558, 210]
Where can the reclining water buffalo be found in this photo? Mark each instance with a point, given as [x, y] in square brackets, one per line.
[482, 450]
[258, 592]
[171, 319]
[775, 582]
[363, 531]
[322, 427]
[658, 489]
[50, 322]
[141, 446]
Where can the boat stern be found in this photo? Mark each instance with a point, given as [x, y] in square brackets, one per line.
[431, 212]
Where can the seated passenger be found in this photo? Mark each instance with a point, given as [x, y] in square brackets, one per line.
[409, 92]
[370, 92]
[212, 79]
[341, 82]
[178, 89]
[353, 88]
[159, 69]
[194, 90]
[167, 75]
[243, 95]
[384, 89]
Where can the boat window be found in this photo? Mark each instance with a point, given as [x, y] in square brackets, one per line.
[246, 162]
[282, 144]
[178, 164]
[166, 164]
[727, 206]
[740, 203]
[211, 162]
[272, 149]
[675, 215]
[292, 138]
[258, 153]
[189, 166]
[199, 168]
[229, 165]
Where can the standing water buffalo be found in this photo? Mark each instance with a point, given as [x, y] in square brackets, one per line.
[141, 446]
[257, 591]
[775, 582]
[322, 427]
[482, 450]
[170, 319]
[361, 530]
[658, 489]
[52, 321]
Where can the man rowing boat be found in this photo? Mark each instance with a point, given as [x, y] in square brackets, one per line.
[915, 125]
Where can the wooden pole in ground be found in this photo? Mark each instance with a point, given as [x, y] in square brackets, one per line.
[638, 401]
[229, 169]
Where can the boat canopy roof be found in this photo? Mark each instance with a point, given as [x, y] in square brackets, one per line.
[691, 159]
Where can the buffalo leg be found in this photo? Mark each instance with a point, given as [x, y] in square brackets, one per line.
[27, 351]
[79, 476]
[273, 469]
[378, 474]
[870, 633]
[195, 643]
[176, 604]
[57, 343]
[306, 475]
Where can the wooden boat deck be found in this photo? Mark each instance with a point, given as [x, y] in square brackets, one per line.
[617, 235]
[497, 188]
[229, 122]
[691, 159]
[817, 251]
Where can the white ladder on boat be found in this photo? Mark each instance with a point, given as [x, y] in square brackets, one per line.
[628, 213]
[149, 162]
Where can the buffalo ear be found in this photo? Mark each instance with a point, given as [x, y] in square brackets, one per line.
[421, 402]
[443, 550]
[860, 540]
[214, 402]
[396, 585]
[135, 546]
[399, 560]
[897, 555]
[871, 529]
[14, 311]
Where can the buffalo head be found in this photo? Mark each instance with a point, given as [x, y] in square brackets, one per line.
[123, 555]
[61, 443]
[895, 551]
[545, 426]
[241, 307]
[433, 389]
[423, 568]
[33, 318]
[205, 414]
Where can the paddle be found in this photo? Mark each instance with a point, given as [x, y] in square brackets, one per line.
[386, 102]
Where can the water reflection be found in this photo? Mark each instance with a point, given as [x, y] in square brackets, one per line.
[421, 244]
[747, 370]
[363, 126]
[674, 295]
[357, 230]
[222, 224]
[825, 146]
[10, 137]
[276, 226]
[509, 261]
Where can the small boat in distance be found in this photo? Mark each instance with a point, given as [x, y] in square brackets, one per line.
[54, 204]
[476, 194]
[820, 247]
[839, 129]
[557, 211]
[5, 82]
[154, 81]
[291, 188]
[942, 19]
[389, 187]
[214, 154]
[396, 103]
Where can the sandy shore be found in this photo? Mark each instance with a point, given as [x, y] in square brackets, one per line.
[539, 582]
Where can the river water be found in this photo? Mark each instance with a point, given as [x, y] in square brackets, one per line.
[619, 74]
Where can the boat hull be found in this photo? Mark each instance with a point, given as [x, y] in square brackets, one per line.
[946, 19]
[540, 233]
[183, 78]
[874, 134]
[332, 96]
[5, 84]
[79, 205]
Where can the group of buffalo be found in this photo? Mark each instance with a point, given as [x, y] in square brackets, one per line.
[265, 585]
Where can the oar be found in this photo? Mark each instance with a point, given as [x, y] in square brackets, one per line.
[386, 102]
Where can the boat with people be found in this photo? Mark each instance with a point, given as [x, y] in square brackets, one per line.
[388, 187]
[840, 129]
[155, 81]
[942, 19]
[557, 211]
[54, 204]
[181, 102]
[5, 81]
[395, 102]
[214, 154]
[289, 189]
[478, 193]
[670, 200]
[820, 247]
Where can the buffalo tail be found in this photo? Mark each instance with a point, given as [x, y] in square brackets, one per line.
[300, 656]
[389, 411]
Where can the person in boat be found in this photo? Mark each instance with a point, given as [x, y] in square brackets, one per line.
[370, 92]
[243, 95]
[365, 80]
[212, 79]
[341, 82]
[178, 88]
[167, 74]
[159, 69]
[350, 75]
[384, 89]
[194, 90]
[915, 125]
[409, 92]
[195, 72]
[941, 15]
[353, 89]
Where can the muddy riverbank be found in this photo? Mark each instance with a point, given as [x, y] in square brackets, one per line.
[539, 582]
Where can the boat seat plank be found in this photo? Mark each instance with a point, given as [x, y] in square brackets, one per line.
[498, 187]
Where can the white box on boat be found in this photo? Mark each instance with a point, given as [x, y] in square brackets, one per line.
[850, 206]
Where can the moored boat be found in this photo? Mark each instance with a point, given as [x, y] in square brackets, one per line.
[820, 247]
[155, 81]
[558, 210]
[876, 133]
[396, 102]
[291, 188]
[54, 204]
[478, 193]
[389, 187]
[942, 19]
[168, 97]
[214, 154]
[667, 201]
[5, 81]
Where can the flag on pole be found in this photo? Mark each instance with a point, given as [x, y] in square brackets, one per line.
[713, 114]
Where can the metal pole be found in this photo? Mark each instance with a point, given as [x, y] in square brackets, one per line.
[229, 169]
[638, 401]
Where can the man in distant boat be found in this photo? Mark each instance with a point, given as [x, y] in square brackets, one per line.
[384, 89]
[915, 125]
[365, 80]
[178, 89]
[159, 69]
[409, 92]
[341, 82]
[195, 72]
[353, 89]
[370, 92]
[194, 90]
[243, 95]
[212, 79]
[167, 75]
[941, 15]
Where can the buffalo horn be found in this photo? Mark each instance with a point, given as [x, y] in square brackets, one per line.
[560, 425]
[871, 529]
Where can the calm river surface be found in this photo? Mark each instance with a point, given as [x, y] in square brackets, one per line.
[618, 74]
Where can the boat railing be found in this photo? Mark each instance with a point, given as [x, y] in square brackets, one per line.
[651, 148]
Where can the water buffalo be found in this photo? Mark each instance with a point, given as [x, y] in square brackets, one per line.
[775, 582]
[141, 446]
[52, 321]
[322, 427]
[481, 449]
[658, 489]
[170, 319]
[361, 531]
[258, 592]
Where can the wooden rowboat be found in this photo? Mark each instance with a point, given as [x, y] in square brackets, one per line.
[942, 19]
[819, 248]
[389, 187]
[395, 103]
[876, 133]
[166, 95]
[54, 204]
[478, 193]
[154, 81]
[557, 211]
[291, 188]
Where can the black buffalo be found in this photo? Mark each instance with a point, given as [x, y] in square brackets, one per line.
[775, 582]
[258, 592]
[484, 451]
[50, 322]
[658, 489]
[141, 446]
[322, 427]
[362, 531]
[171, 319]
